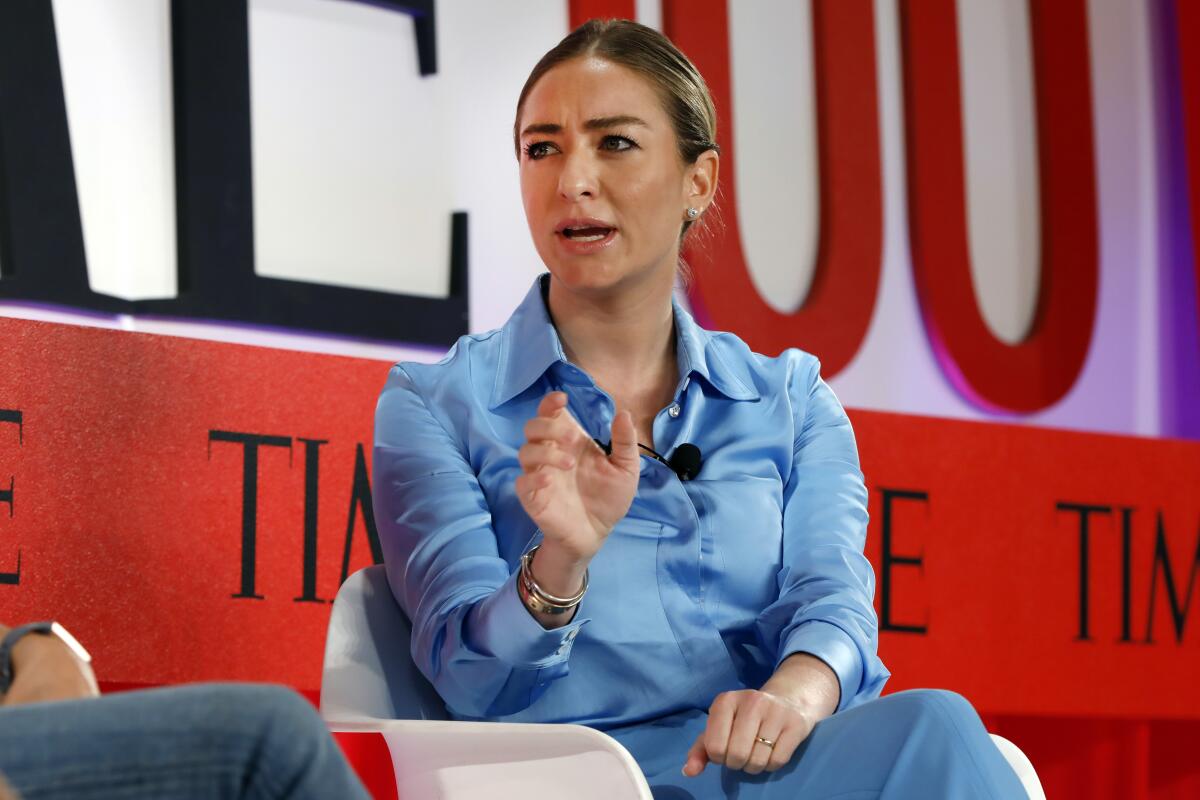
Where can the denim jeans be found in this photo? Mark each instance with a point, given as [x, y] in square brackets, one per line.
[204, 740]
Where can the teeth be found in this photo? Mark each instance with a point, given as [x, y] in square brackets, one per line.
[577, 235]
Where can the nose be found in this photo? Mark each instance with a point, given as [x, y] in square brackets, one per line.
[578, 177]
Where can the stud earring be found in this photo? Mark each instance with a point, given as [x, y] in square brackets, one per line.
[693, 213]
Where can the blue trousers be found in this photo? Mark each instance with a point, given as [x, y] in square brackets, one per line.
[919, 744]
[199, 741]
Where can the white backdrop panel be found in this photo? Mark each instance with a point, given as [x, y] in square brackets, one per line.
[115, 57]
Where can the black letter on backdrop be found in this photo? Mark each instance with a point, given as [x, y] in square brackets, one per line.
[890, 560]
[312, 484]
[13, 417]
[1162, 562]
[1126, 577]
[41, 237]
[1084, 512]
[250, 443]
[40, 233]
[360, 497]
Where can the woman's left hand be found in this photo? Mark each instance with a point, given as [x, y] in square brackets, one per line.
[736, 720]
[802, 692]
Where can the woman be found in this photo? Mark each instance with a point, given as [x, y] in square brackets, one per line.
[557, 569]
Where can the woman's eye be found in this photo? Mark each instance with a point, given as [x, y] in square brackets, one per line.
[617, 143]
[538, 150]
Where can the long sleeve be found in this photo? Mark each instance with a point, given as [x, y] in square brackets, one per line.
[472, 637]
[826, 584]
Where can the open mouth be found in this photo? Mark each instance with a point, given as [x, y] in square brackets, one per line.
[588, 234]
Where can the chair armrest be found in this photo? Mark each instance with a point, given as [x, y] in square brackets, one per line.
[1022, 766]
[503, 760]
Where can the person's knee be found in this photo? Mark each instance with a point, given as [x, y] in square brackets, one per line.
[288, 723]
[952, 704]
[292, 738]
[936, 706]
[251, 707]
[287, 709]
[941, 718]
[272, 737]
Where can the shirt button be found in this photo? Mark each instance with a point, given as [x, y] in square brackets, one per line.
[673, 410]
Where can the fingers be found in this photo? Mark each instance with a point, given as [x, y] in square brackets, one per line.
[785, 746]
[554, 423]
[551, 404]
[720, 721]
[536, 455]
[624, 443]
[529, 492]
[770, 728]
[528, 485]
[748, 718]
[553, 429]
[697, 758]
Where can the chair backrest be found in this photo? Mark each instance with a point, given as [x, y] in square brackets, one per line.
[369, 672]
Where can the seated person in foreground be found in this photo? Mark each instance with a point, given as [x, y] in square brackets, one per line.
[60, 739]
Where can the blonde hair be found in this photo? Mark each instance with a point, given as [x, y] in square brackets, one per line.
[684, 94]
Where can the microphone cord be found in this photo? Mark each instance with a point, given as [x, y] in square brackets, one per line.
[686, 462]
[653, 453]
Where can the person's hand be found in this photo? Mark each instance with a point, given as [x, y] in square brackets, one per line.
[571, 490]
[45, 669]
[735, 719]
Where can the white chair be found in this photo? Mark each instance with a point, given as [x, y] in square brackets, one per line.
[370, 684]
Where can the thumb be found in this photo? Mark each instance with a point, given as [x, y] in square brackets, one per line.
[697, 758]
[624, 443]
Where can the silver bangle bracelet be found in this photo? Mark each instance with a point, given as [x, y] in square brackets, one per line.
[538, 599]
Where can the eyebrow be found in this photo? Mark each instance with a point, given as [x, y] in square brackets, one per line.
[596, 124]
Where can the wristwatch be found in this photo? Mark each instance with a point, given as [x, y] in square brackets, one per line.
[44, 629]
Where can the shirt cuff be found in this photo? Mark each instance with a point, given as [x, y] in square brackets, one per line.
[504, 628]
[832, 645]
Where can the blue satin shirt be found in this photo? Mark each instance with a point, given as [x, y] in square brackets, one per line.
[704, 587]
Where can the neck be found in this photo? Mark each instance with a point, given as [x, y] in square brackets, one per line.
[623, 331]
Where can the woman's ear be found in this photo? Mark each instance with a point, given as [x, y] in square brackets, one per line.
[701, 180]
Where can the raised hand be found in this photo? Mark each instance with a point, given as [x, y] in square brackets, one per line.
[571, 490]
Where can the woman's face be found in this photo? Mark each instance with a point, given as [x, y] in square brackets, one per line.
[604, 188]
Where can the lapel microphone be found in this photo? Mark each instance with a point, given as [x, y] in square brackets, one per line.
[684, 462]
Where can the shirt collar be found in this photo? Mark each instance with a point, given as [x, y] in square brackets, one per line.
[699, 353]
[530, 345]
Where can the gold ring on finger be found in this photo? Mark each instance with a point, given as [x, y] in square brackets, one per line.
[767, 742]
